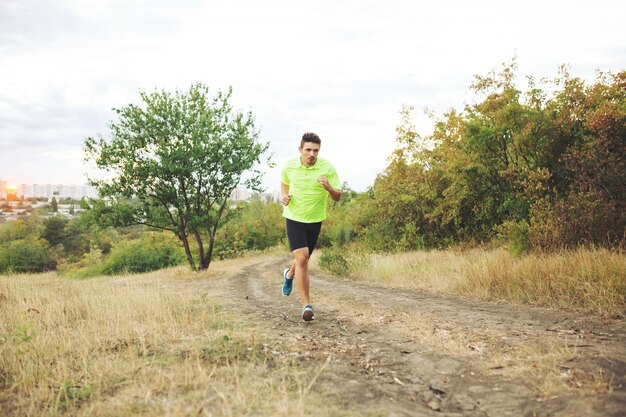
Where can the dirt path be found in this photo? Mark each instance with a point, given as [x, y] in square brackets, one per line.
[391, 352]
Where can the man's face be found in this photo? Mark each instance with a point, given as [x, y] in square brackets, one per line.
[308, 153]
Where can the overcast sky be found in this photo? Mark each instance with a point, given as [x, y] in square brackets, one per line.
[339, 68]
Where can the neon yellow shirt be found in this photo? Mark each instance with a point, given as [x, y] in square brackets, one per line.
[308, 197]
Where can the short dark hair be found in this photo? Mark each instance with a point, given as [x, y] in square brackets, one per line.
[310, 137]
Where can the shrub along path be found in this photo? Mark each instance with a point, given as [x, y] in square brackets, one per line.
[392, 352]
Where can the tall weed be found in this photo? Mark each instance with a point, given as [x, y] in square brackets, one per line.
[586, 279]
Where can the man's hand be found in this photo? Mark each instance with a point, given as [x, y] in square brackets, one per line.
[286, 199]
[335, 194]
[324, 181]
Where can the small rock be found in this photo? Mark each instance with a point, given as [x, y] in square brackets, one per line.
[397, 381]
[437, 389]
[434, 405]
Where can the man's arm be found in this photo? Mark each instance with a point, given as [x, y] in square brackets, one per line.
[284, 189]
[334, 194]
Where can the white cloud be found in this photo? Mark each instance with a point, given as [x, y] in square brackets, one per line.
[342, 69]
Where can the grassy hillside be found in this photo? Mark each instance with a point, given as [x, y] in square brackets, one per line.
[169, 343]
[153, 344]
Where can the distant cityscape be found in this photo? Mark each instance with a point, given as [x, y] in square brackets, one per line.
[241, 194]
[17, 201]
[77, 192]
[48, 191]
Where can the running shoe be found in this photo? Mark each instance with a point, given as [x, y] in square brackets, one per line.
[287, 283]
[307, 313]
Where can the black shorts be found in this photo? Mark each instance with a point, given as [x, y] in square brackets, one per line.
[303, 235]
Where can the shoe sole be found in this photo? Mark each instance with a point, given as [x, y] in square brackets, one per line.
[308, 315]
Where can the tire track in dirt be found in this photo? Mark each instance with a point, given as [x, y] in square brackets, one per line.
[403, 353]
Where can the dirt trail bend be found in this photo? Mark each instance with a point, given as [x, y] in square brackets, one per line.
[392, 352]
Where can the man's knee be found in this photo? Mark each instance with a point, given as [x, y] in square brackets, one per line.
[301, 256]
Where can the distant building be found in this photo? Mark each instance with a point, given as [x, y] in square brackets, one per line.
[78, 192]
[270, 197]
[11, 193]
[21, 190]
[48, 191]
[240, 194]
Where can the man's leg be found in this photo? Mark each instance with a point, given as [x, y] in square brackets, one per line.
[296, 233]
[301, 266]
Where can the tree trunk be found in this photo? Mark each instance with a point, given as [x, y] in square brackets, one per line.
[209, 254]
[200, 248]
[183, 237]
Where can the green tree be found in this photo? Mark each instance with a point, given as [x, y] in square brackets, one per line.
[76, 240]
[395, 217]
[532, 167]
[54, 230]
[584, 201]
[174, 160]
[54, 205]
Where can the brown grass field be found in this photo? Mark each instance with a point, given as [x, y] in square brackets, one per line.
[585, 280]
[384, 343]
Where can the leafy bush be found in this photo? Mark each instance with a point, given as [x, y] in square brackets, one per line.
[90, 265]
[516, 236]
[254, 225]
[334, 261]
[338, 229]
[104, 239]
[380, 236]
[29, 227]
[25, 256]
[343, 261]
[151, 252]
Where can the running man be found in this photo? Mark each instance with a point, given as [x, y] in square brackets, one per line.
[306, 183]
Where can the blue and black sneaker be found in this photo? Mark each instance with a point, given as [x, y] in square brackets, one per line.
[307, 313]
[287, 283]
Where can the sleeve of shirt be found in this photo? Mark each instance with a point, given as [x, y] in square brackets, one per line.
[284, 178]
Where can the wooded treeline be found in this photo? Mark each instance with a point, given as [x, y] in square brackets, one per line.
[543, 168]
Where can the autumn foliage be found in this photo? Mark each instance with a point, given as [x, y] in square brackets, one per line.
[542, 168]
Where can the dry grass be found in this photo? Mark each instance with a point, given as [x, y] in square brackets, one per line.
[434, 271]
[141, 345]
[587, 280]
[165, 344]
